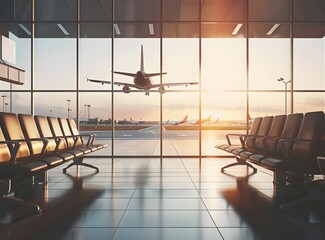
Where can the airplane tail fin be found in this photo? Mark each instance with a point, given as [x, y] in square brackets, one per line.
[184, 120]
[142, 61]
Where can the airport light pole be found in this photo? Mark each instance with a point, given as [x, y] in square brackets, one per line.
[6, 104]
[68, 100]
[88, 111]
[285, 92]
[85, 110]
[3, 102]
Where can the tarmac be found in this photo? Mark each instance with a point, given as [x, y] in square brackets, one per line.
[153, 132]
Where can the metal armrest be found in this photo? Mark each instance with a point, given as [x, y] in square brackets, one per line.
[244, 137]
[321, 158]
[233, 135]
[58, 141]
[90, 138]
[44, 140]
[13, 150]
[75, 140]
[93, 139]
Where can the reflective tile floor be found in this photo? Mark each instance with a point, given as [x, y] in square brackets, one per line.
[141, 199]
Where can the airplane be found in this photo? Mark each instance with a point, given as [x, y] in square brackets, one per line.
[213, 122]
[184, 120]
[250, 120]
[197, 122]
[142, 80]
[131, 121]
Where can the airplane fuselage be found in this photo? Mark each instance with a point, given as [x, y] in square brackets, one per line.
[141, 81]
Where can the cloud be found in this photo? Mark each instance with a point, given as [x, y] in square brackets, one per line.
[181, 106]
[313, 101]
[220, 107]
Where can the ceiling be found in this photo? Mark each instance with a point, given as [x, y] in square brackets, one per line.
[180, 18]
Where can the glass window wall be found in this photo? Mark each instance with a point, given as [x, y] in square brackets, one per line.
[236, 51]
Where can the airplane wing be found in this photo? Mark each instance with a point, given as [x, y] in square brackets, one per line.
[109, 82]
[99, 81]
[174, 84]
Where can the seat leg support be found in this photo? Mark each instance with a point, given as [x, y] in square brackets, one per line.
[32, 206]
[239, 162]
[78, 162]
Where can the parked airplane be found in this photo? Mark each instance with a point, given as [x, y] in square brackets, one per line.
[213, 122]
[131, 121]
[197, 122]
[142, 80]
[250, 120]
[184, 120]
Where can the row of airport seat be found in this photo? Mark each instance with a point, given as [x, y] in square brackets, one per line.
[31, 145]
[285, 144]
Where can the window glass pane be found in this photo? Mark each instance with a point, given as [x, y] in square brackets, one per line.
[15, 102]
[19, 103]
[54, 10]
[308, 102]
[137, 115]
[309, 56]
[127, 58]
[308, 10]
[137, 130]
[228, 115]
[15, 10]
[181, 62]
[60, 104]
[23, 59]
[265, 10]
[261, 106]
[223, 68]
[21, 55]
[100, 10]
[223, 64]
[178, 10]
[95, 55]
[55, 58]
[269, 57]
[5, 101]
[180, 123]
[95, 116]
[137, 10]
[223, 10]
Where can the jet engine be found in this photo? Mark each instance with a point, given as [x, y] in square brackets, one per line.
[126, 89]
[162, 89]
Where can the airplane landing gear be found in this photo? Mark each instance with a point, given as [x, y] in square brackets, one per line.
[147, 93]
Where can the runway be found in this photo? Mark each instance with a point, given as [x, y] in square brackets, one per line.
[153, 132]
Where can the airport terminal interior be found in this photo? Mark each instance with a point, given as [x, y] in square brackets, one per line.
[114, 117]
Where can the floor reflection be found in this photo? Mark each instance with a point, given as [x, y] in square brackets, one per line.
[261, 214]
[62, 212]
[142, 199]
